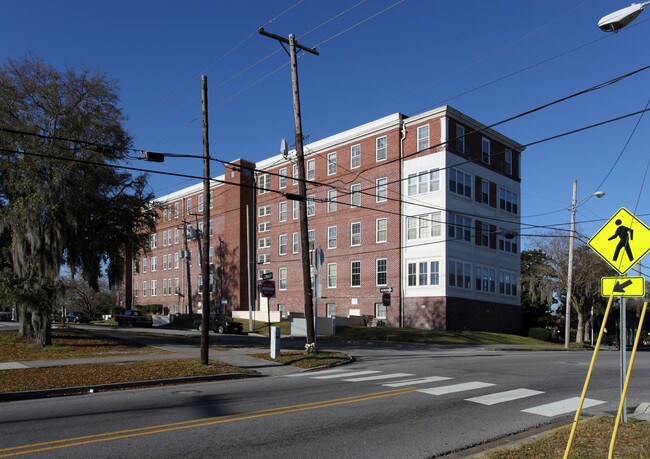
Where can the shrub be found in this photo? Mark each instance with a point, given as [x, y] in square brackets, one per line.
[540, 334]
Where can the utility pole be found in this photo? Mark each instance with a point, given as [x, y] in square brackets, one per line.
[302, 185]
[188, 261]
[220, 273]
[205, 261]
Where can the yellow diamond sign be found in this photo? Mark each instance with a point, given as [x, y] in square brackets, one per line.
[622, 241]
[623, 286]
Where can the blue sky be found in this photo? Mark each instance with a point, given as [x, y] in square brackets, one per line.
[489, 59]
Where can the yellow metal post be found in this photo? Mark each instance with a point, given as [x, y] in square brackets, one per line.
[588, 379]
[627, 381]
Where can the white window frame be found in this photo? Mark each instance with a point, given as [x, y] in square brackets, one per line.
[295, 242]
[384, 273]
[355, 235]
[466, 278]
[460, 183]
[263, 211]
[381, 189]
[331, 200]
[311, 169]
[263, 227]
[332, 237]
[331, 163]
[331, 275]
[355, 156]
[264, 184]
[507, 162]
[423, 133]
[282, 211]
[282, 278]
[282, 244]
[353, 274]
[381, 230]
[282, 178]
[485, 279]
[311, 205]
[381, 148]
[355, 195]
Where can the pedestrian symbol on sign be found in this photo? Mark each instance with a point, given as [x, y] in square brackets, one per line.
[625, 235]
[622, 241]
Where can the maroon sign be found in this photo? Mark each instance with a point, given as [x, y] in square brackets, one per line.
[267, 287]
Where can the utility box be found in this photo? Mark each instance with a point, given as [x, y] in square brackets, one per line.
[275, 342]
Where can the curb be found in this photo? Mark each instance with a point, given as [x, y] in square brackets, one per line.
[86, 390]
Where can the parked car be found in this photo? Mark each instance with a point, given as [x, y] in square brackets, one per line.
[133, 318]
[221, 324]
[76, 317]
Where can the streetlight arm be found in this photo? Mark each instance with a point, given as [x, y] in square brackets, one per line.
[615, 21]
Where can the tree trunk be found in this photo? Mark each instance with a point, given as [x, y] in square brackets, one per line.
[580, 331]
[42, 328]
[25, 321]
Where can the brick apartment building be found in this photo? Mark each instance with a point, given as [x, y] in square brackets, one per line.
[427, 205]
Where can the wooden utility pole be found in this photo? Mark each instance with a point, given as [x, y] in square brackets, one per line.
[205, 259]
[302, 185]
[188, 261]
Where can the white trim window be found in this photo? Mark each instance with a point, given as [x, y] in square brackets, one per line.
[355, 195]
[423, 226]
[485, 279]
[154, 240]
[282, 178]
[459, 227]
[330, 310]
[460, 139]
[263, 243]
[177, 259]
[485, 192]
[282, 211]
[263, 258]
[423, 273]
[507, 283]
[331, 275]
[355, 156]
[508, 201]
[485, 150]
[381, 271]
[460, 274]
[311, 237]
[200, 203]
[154, 288]
[381, 230]
[355, 273]
[460, 182]
[295, 242]
[311, 205]
[294, 181]
[331, 163]
[144, 288]
[153, 264]
[177, 290]
[282, 244]
[381, 148]
[263, 187]
[144, 265]
[331, 200]
[355, 234]
[188, 206]
[311, 169]
[507, 241]
[381, 311]
[423, 137]
[176, 234]
[263, 211]
[263, 227]
[507, 162]
[381, 189]
[331, 237]
[295, 209]
[282, 278]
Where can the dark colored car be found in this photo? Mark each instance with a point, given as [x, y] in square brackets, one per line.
[221, 324]
[76, 317]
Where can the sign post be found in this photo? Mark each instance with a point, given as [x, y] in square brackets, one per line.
[622, 242]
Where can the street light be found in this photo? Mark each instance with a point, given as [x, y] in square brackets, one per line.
[615, 21]
[574, 206]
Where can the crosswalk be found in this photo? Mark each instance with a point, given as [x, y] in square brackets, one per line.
[443, 385]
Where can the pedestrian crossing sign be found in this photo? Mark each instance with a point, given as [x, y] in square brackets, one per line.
[622, 241]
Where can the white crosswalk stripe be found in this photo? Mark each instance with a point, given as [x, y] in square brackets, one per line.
[379, 377]
[309, 374]
[501, 397]
[412, 382]
[562, 407]
[352, 373]
[455, 388]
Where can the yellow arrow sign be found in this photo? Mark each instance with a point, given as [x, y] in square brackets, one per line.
[622, 241]
[623, 286]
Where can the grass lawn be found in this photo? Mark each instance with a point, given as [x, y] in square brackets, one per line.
[412, 335]
[592, 440]
[302, 360]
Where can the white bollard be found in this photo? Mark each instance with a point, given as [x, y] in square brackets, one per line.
[275, 342]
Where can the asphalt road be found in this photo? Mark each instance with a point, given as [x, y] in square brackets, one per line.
[394, 401]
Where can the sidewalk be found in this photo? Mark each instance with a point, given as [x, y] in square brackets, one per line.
[240, 357]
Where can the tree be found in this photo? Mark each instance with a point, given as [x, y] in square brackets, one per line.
[62, 200]
[588, 268]
[537, 283]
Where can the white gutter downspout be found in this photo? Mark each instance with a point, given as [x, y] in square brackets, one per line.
[402, 224]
